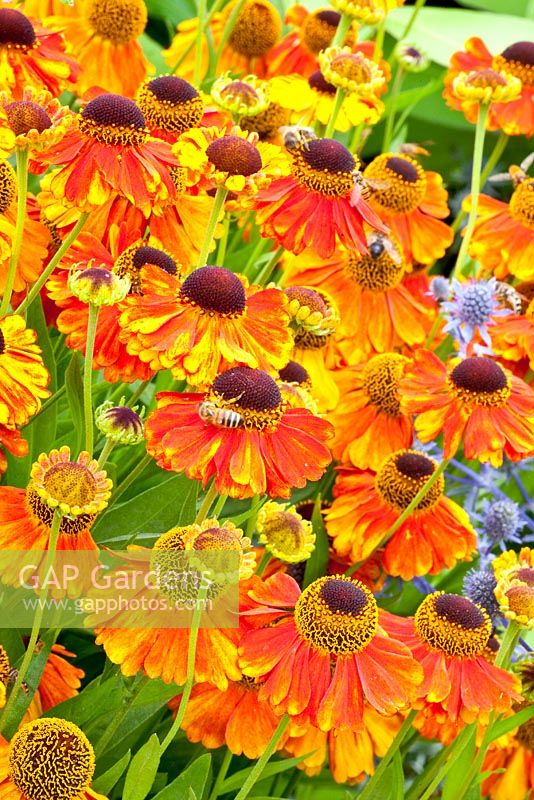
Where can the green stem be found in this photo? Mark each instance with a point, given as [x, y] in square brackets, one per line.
[256, 252]
[51, 400]
[36, 626]
[228, 28]
[54, 261]
[223, 242]
[405, 728]
[92, 322]
[478, 151]
[338, 102]
[264, 275]
[190, 675]
[111, 730]
[106, 452]
[433, 331]
[22, 180]
[411, 22]
[218, 204]
[206, 504]
[137, 394]
[221, 775]
[341, 31]
[491, 163]
[215, 7]
[219, 505]
[509, 641]
[379, 41]
[201, 24]
[255, 774]
[390, 121]
[130, 478]
[356, 137]
[266, 557]
[407, 511]
[460, 743]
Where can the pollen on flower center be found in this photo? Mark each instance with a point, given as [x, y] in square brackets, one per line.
[481, 381]
[325, 166]
[136, 256]
[16, 30]
[319, 29]
[216, 290]
[405, 179]
[234, 155]
[43, 513]
[113, 119]
[294, 373]
[76, 487]
[218, 539]
[71, 483]
[253, 389]
[381, 378]
[24, 116]
[51, 759]
[120, 21]
[485, 77]
[403, 475]
[8, 185]
[318, 82]
[453, 624]
[376, 274]
[170, 103]
[256, 29]
[353, 66]
[337, 615]
[518, 59]
[522, 203]
[244, 92]
[2, 342]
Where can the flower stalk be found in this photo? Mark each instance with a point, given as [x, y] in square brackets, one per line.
[217, 208]
[22, 179]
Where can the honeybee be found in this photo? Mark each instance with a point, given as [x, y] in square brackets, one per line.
[515, 174]
[13, 675]
[297, 136]
[220, 417]
[379, 243]
[412, 149]
[363, 187]
[510, 295]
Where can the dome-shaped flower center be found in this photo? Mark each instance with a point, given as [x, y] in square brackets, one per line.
[525, 734]
[519, 60]
[481, 381]
[5, 666]
[24, 116]
[16, 30]
[234, 155]
[216, 290]
[71, 483]
[241, 91]
[113, 119]
[119, 21]
[405, 179]
[306, 307]
[319, 29]
[294, 373]
[522, 203]
[352, 66]
[324, 166]
[43, 513]
[218, 539]
[256, 29]
[285, 533]
[174, 539]
[453, 625]
[308, 340]
[485, 77]
[337, 615]
[252, 388]
[375, 273]
[51, 759]
[170, 104]
[151, 255]
[2, 342]
[318, 82]
[381, 378]
[525, 575]
[8, 185]
[266, 123]
[136, 256]
[402, 477]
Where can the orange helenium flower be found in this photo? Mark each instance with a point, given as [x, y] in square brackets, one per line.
[368, 420]
[413, 203]
[448, 637]
[366, 504]
[273, 449]
[31, 55]
[23, 375]
[110, 152]
[234, 717]
[510, 769]
[474, 401]
[206, 323]
[515, 117]
[12, 441]
[317, 206]
[335, 622]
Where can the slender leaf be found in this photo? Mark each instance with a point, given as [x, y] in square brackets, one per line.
[193, 779]
[316, 564]
[105, 783]
[236, 780]
[142, 770]
[508, 724]
[74, 389]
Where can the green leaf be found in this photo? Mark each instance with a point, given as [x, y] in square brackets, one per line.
[44, 425]
[194, 778]
[173, 12]
[105, 783]
[456, 774]
[142, 770]
[151, 512]
[188, 505]
[152, 51]
[32, 679]
[12, 642]
[74, 389]
[506, 725]
[316, 564]
[518, 8]
[442, 31]
[236, 780]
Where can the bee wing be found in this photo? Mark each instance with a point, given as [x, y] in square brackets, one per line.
[392, 251]
[527, 162]
[377, 185]
[502, 177]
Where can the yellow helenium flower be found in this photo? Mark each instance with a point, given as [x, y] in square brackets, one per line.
[247, 96]
[515, 585]
[75, 487]
[352, 72]
[287, 535]
[486, 86]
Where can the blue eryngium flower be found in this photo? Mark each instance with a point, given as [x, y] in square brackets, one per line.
[473, 307]
[479, 586]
